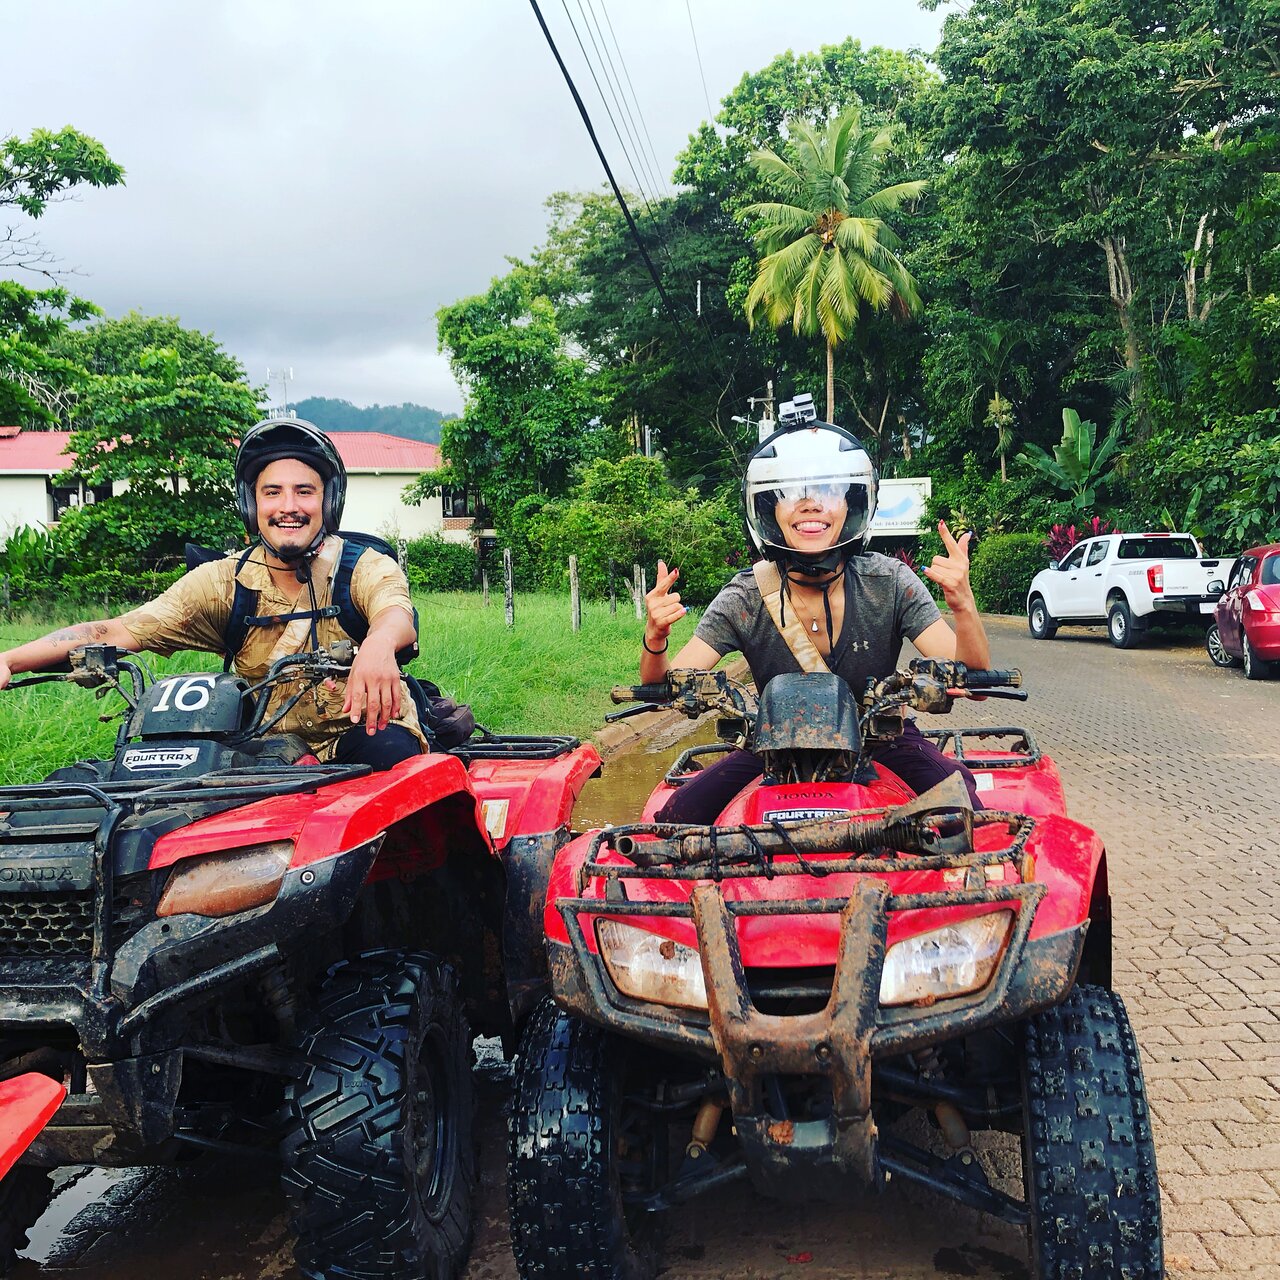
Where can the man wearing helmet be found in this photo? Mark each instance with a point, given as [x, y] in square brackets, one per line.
[290, 488]
[817, 600]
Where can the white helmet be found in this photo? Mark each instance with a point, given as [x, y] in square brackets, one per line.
[805, 459]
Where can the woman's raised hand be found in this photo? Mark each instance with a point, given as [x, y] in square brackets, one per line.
[951, 571]
[662, 606]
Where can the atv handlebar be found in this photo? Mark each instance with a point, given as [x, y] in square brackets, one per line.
[641, 692]
[992, 679]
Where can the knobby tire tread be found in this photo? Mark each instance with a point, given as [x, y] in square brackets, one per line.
[346, 1151]
[1088, 1155]
[565, 1213]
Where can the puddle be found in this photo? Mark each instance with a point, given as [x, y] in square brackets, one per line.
[618, 795]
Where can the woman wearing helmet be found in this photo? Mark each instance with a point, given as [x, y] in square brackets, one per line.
[810, 494]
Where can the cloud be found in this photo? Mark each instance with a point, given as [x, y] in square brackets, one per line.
[312, 181]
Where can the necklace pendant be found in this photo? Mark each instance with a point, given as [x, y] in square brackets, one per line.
[813, 626]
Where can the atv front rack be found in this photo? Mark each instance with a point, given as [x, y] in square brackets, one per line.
[1023, 750]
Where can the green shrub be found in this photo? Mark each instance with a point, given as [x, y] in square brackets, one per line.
[29, 560]
[435, 564]
[108, 590]
[1001, 570]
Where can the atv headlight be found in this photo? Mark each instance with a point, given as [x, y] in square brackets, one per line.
[220, 884]
[647, 966]
[945, 962]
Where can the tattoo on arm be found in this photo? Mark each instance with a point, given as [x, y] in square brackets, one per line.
[81, 633]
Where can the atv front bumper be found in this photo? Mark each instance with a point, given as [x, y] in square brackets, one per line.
[128, 1010]
[839, 1041]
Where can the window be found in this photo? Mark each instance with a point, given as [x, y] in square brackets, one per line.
[1270, 571]
[1157, 548]
[458, 502]
[1097, 553]
[1074, 558]
[1243, 574]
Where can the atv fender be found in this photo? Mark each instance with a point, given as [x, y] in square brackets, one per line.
[27, 1103]
[329, 821]
[527, 805]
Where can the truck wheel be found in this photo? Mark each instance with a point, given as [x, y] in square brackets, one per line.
[24, 1195]
[379, 1157]
[1217, 651]
[1255, 668]
[1088, 1160]
[574, 1144]
[1120, 626]
[1040, 622]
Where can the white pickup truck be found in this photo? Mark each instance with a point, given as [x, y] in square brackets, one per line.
[1130, 581]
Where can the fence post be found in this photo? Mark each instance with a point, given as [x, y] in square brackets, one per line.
[637, 593]
[575, 600]
[508, 575]
[613, 594]
[484, 585]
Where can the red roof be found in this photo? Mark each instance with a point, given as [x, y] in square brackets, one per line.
[40, 452]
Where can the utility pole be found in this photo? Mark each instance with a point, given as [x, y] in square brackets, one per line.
[767, 425]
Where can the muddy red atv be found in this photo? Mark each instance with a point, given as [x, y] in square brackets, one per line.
[213, 941]
[763, 1000]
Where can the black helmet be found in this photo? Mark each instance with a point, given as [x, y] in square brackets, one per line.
[805, 458]
[276, 438]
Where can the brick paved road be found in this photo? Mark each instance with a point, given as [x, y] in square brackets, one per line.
[1175, 763]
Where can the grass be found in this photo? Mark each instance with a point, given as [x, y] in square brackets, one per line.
[538, 677]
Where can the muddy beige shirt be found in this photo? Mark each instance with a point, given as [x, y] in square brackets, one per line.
[194, 614]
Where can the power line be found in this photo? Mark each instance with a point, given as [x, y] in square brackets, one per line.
[613, 182]
[652, 167]
[711, 115]
[617, 133]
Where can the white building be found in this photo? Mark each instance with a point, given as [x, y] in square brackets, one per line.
[378, 468]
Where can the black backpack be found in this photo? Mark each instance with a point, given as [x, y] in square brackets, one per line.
[446, 723]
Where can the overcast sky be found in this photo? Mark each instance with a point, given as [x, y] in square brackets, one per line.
[311, 180]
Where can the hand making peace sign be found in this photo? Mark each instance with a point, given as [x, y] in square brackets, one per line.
[951, 571]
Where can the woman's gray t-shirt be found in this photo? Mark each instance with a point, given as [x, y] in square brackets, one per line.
[884, 602]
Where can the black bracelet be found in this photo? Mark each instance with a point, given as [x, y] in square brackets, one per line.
[644, 641]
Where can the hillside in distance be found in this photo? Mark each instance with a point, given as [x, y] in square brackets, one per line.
[412, 421]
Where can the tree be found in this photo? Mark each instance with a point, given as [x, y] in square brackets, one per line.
[1075, 466]
[39, 170]
[686, 386]
[167, 425]
[828, 250]
[1112, 140]
[531, 413]
[37, 384]
[993, 350]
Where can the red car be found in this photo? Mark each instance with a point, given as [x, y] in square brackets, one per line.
[1246, 623]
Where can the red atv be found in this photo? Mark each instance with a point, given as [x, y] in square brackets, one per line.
[213, 941]
[764, 998]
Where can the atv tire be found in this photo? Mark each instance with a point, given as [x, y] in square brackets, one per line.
[1088, 1159]
[1121, 628]
[1040, 622]
[24, 1195]
[379, 1156]
[564, 1181]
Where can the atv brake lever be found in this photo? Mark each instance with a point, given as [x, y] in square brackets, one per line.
[1018, 695]
[638, 709]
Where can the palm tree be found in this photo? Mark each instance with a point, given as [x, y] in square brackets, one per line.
[991, 352]
[827, 249]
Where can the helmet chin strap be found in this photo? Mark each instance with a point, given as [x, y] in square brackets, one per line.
[299, 562]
